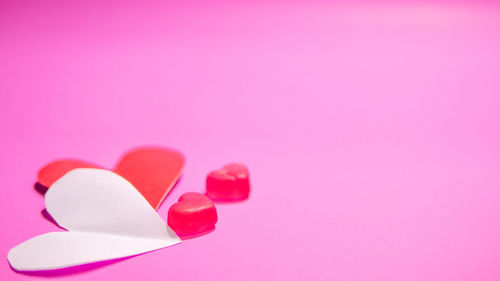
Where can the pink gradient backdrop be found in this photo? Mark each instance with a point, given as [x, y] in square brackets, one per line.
[371, 131]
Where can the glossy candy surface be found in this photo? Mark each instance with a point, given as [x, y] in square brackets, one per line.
[231, 183]
[194, 213]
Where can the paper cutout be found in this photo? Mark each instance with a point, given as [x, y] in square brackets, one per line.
[106, 218]
[194, 213]
[51, 172]
[231, 183]
[152, 170]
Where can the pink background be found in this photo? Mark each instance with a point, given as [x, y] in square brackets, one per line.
[371, 131]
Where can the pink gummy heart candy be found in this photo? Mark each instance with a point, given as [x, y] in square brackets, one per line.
[231, 183]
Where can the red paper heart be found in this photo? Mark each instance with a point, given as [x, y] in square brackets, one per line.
[194, 213]
[51, 172]
[152, 170]
[231, 183]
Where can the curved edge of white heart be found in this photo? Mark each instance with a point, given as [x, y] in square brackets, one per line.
[101, 201]
[56, 250]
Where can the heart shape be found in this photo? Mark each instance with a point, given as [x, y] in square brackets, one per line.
[106, 218]
[152, 170]
[194, 213]
[230, 183]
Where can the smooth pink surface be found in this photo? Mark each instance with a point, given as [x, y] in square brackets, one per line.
[371, 131]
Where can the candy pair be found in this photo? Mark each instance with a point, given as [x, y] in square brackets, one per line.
[195, 213]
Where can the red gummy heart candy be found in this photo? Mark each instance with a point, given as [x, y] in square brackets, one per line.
[231, 183]
[152, 170]
[51, 172]
[194, 213]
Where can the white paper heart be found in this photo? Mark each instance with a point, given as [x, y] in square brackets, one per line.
[106, 218]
